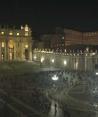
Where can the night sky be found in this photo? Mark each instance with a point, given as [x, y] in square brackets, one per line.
[44, 16]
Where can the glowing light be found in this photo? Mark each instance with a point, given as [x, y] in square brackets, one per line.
[11, 44]
[65, 50]
[17, 34]
[96, 73]
[2, 33]
[55, 77]
[52, 60]
[76, 65]
[10, 33]
[65, 62]
[21, 27]
[26, 46]
[42, 59]
[87, 49]
[3, 44]
[10, 55]
[35, 57]
[26, 28]
[26, 34]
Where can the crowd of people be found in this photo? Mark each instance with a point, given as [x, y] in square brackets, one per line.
[32, 88]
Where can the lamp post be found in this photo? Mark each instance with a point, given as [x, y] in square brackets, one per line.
[65, 63]
[35, 57]
[96, 73]
[52, 61]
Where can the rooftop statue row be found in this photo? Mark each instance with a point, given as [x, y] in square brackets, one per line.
[26, 31]
[79, 52]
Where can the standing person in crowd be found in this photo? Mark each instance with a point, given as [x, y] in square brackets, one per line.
[55, 109]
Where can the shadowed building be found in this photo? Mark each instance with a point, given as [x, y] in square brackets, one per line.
[15, 44]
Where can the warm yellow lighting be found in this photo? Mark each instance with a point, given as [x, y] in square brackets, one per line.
[26, 34]
[3, 44]
[2, 33]
[26, 46]
[17, 34]
[93, 53]
[10, 33]
[10, 56]
[11, 44]
[26, 28]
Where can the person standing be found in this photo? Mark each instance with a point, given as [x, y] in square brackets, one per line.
[55, 109]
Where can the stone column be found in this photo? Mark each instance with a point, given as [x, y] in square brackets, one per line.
[30, 51]
[6, 51]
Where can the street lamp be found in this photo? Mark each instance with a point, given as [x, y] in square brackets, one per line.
[35, 57]
[65, 62]
[96, 73]
[52, 60]
[42, 59]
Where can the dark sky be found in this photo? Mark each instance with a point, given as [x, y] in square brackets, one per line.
[45, 15]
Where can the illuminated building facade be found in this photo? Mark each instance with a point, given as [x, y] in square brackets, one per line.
[67, 37]
[72, 37]
[82, 60]
[15, 44]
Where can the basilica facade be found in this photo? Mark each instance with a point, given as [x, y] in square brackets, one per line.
[15, 44]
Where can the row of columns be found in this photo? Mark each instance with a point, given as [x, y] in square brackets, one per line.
[15, 52]
[80, 62]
